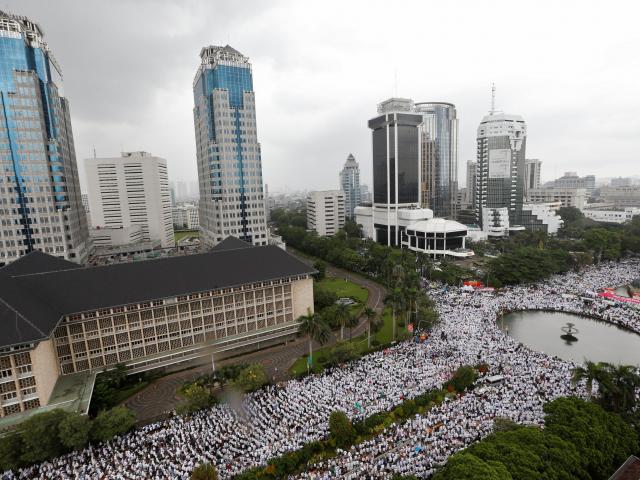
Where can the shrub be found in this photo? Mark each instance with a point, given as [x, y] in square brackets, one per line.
[252, 378]
[196, 397]
[204, 471]
[463, 378]
[341, 431]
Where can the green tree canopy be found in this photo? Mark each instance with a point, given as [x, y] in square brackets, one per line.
[341, 430]
[74, 430]
[204, 471]
[110, 423]
[252, 378]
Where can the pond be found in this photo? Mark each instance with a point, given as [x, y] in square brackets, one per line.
[596, 341]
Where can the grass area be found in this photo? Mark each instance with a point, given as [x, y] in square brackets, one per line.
[344, 288]
[382, 337]
[179, 235]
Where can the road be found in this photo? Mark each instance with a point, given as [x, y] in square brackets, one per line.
[160, 396]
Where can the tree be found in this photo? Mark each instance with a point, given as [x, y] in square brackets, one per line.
[341, 431]
[321, 267]
[603, 439]
[467, 466]
[204, 471]
[464, 377]
[110, 423]
[395, 300]
[11, 448]
[374, 323]
[316, 329]
[352, 322]
[196, 397]
[40, 436]
[342, 313]
[343, 352]
[616, 384]
[74, 430]
[590, 372]
[252, 378]
[323, 298]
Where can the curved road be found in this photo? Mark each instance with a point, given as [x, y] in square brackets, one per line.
[160, 397]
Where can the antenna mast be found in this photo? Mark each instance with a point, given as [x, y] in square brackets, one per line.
[493, 99]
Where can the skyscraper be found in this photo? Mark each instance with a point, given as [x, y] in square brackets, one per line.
[350, 185]
[500, 170]
[396, 135]
[532, 168]
[229, 163]
[131, 191]
[439, 168]
[39, 185]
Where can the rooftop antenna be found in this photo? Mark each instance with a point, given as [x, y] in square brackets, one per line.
[493, 99]
[94, 151]
[395, 83]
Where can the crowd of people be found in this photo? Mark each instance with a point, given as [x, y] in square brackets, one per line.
[278, 419]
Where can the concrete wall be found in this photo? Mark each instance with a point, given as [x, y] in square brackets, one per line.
[45, 369]
[302, 297]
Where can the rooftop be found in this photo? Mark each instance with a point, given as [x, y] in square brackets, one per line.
[439, 225]
[37, 290]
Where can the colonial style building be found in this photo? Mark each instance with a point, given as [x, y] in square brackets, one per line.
[61, 320]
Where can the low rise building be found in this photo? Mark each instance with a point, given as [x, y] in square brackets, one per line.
[62, 323]
[612, 216]
[186, 217]
[437, 237]
[326, 212]
[568, 197]
[621, 197]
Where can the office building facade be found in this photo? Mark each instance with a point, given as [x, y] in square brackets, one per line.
[39, 186]
[350, 185]
[326, 211]
[228, 152]
[397, 141]
[500, 167]
[532, 168]
[439, 157]
[131, 190]
[67, 320]
[568, 197]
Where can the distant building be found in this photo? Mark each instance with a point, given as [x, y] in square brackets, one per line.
[65, 320]
[621, 197]
[621, 182]
[397, 142]
[350, 185]
[185, 217]
[131, 190]
[439, 157]
[568, 197]
[542, 216]
[227, 148]
[40, 187]
[326, 212]
[612, 216]
[365, 194]
[572, 180]
[501, 144]
[532, 168]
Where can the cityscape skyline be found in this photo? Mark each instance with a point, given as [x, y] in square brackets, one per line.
[153, 113]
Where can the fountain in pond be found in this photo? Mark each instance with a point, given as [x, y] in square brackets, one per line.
[569, 332]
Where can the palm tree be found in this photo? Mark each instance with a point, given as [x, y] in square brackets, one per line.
[351, 323]
[590, 372]
[374, 322]
[342, 313]
[396, 301]
[626, 380]
[314, 326]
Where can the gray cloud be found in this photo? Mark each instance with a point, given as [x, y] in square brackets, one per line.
[570, 69]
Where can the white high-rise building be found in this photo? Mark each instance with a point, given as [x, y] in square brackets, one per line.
[326, 211]
[131, 190]
[350, 185]
[500, 167]
[532, 168]
[229, 162]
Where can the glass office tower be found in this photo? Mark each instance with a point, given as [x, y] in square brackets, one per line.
[350, 185]
[39, 186]
[396, 134]
[228, 152]
[439, 169]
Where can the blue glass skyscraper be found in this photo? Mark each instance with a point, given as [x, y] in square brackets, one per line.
[228, 152]
[40, 201]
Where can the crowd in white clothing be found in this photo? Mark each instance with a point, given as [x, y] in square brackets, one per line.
[280, 419]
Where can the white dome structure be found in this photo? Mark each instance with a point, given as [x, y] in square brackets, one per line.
[437, 237]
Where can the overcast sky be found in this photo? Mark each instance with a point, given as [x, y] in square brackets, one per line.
[571, 69]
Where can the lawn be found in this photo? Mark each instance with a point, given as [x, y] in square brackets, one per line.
[179, 235]
[344, 288]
